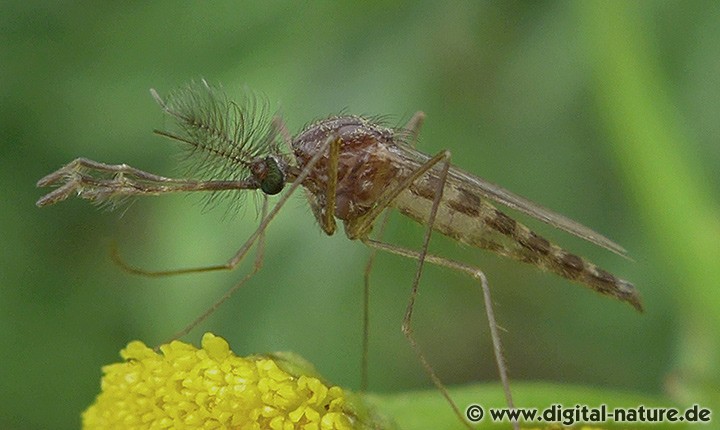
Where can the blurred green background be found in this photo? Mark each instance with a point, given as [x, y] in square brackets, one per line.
[605, 112]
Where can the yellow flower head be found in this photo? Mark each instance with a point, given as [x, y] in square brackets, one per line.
[212, 388]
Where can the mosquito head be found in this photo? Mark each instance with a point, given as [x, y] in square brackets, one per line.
[269, 174]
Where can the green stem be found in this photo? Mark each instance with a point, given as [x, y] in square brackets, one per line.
[655, 153]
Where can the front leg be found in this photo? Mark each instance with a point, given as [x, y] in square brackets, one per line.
[325, 211]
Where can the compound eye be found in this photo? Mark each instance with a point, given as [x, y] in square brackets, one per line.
[274, 180]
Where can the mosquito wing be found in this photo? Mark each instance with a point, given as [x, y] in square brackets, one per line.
[507, 198]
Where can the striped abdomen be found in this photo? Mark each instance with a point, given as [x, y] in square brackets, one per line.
[470, 219]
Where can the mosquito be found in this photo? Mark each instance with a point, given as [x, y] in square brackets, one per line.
[352, 169]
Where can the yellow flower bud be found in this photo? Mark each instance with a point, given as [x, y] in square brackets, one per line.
[183, 387]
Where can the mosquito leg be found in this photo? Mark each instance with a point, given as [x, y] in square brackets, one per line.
[413, 128]
[360, 228]
[324, 212]
[257, 265]
[328, 222]
[406, 326]
[384, 201]
[478, 275]
[363, 226]
[407, 319]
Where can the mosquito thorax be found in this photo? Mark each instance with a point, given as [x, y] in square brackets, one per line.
[364, 170]
[269, 175]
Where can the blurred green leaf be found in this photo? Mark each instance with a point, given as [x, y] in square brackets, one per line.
[428, 409]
